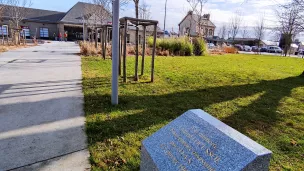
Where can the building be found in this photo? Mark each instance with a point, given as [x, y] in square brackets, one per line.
[45, 24]
[131, 34]
[245, 41]
[190, 25]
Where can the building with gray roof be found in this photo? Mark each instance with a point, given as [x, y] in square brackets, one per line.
[46, 24]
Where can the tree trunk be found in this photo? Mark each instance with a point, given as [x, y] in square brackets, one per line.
[136, 44]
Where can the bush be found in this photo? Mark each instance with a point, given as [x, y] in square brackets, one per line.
[187, 48]
[232, 50]
[88, 49]
[175, 46]
[130, 50]
[200, 47]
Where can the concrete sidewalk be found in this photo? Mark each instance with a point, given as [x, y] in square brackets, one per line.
[41, 109]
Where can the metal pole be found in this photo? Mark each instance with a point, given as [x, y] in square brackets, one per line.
[125, 51]
[153, 53]
[143, 52]
[96, 38]
[120, 47]
[115, 52]
[165, 19]
[83, 36]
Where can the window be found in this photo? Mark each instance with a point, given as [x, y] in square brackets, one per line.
[210, 32]
[44, 32]
[26, 31]
[4, 30]
[128, 38]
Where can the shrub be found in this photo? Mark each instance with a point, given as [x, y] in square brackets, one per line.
[232, 50]
[187, 49]
[3, 49]
[87, 49]
[174, 46]
[150, 42]
[166, 53]
[199, 47]
[130, 50]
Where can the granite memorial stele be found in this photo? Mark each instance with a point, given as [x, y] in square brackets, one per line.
[197, 141]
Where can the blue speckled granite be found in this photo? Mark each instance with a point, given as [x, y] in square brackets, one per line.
[198, 141]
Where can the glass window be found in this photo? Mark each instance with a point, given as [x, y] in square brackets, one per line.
[26, 31]
[44, 32]
[4, 30]
[210, 32]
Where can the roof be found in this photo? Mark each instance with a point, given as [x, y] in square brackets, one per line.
[78, 11]
[37, 15]
[270, 43]
[196, 18]
[244, 39]
[149, 28]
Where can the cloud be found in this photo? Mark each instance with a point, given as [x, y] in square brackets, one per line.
[220, 10]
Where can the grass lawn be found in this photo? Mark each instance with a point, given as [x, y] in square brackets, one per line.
[260, 96]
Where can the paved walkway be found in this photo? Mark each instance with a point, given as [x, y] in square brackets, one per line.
[41, 109]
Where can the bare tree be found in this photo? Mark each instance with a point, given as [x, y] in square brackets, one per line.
[235, 23]
[222, 32]
[17, 12]
[144, 11]
[193, 5]
[3, 5]
[245, 32]
[98, 12]
[290, 23]
[200, 19]
[259, 30]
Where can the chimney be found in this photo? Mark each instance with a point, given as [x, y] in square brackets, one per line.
[206, 16]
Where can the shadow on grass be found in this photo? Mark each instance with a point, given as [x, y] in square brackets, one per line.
[261, 114]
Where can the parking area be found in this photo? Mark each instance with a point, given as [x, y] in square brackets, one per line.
[272, 54]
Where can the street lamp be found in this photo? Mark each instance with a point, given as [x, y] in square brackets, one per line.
[165, 17]
[115, 52]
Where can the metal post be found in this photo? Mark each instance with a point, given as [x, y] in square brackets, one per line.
[143, 52]
[136, 53]
[103, 44]
[153, 53]
[115, 52]
[83, 33]
[96, 38]
[120, 52]
[165, 19]
[106, 42]
[125, 52]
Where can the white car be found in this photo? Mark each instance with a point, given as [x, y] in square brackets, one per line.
[211, 46]
[274, 49]
[247, 48]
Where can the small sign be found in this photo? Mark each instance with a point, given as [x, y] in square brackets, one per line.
[197, 141]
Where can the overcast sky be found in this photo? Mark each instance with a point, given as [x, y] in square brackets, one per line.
[220, 10]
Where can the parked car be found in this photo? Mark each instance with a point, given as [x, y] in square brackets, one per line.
[247, 48]
[239, 47]
[211, 46]
[256, 49]
[274, 49]
[300, 52]
[263, 49]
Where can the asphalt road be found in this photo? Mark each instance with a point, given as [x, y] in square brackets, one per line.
[41, 109]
